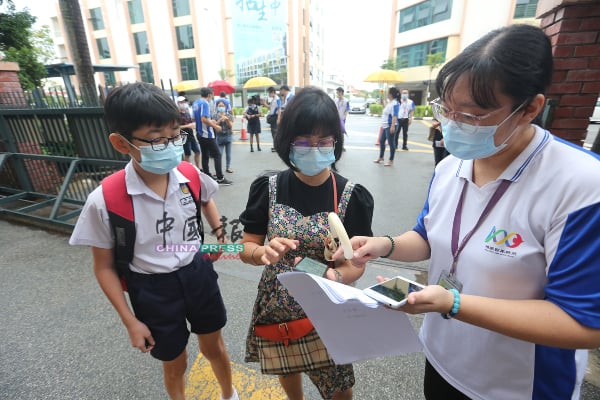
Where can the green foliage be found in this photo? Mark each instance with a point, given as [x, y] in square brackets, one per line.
[238, 110]
[28, 47]
[423, 111]
[434, 60]
[375, 109]
[264, 110]
[390, 63]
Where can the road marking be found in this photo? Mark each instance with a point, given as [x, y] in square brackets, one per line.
[249, 383]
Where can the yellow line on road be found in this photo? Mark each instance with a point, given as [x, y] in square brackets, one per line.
[250, 384]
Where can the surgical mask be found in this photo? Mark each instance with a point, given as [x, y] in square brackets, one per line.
[313, 162]
[221, 109]
[159, 162]
[479, 144]
[404, 96]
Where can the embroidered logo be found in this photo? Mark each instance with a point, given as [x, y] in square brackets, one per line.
[502, 242]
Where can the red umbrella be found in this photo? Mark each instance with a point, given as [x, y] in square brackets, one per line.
[219, 86]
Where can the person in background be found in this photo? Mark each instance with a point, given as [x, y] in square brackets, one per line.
[389, 123]
[205, 129]
[252, 115]
[510, 226]
[343, 107]
[187, 125]
[437, 139]
[274, 106]
[290, 211]
[223, 98]
[286, 96]
[405, 116]
[225, 137]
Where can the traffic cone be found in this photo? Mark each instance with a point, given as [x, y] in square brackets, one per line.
[379, 136]
[244, 133]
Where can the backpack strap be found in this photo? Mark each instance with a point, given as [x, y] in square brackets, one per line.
[195, 186]
[121, 217]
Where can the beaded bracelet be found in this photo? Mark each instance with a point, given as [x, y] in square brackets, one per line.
[455, 305]
[338, 275]
[252, 255]
[392, 248]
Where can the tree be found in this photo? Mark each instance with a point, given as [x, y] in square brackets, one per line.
[390, 63]
[18, 45]
[78, 45]
[433, 60]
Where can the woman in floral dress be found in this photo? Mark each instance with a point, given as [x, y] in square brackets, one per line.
[286, 220]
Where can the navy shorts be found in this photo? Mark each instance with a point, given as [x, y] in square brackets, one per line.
[164, 302]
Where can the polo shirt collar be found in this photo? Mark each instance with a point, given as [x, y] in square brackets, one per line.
[136, 186]
[540, 139]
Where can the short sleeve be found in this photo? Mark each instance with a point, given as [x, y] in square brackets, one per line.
[255, 217]
[93, 226]
[209, 187]
[573, 279]
[359, 214]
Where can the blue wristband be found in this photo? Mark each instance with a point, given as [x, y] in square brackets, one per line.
[455, 305]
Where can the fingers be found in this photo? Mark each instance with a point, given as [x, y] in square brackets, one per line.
[277, 248]
[381, 278]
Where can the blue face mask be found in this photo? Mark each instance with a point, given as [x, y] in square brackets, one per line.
[221, 109]
[159, 162]
[404, 96]
[313, 162]
[472, 146]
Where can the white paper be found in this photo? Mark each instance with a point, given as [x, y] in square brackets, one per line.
[353, 326]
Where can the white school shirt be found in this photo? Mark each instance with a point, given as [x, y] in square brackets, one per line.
[158, 221]
[406, 106]
[540, 241]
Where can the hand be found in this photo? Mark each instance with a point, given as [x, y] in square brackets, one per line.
[365, 249]
[276, 249]
[218, 128]
[434, 298]
[140, 336]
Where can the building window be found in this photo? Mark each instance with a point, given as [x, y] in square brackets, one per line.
[136, 12]
[185, 37]
[146, 72]
[96, 18]
[103, 49]
[181, 8]
[425, 13]
[416, 55]
[188, 69]
[109, 78]
[141, 43]
[525, 8]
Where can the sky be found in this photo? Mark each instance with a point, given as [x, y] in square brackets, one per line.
[356, 35]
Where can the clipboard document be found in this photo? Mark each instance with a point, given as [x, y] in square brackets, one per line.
[353, 326]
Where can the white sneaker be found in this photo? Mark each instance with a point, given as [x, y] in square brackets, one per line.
[233, 397]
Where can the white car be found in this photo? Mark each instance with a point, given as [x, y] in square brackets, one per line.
[358, 105]
[596, 116]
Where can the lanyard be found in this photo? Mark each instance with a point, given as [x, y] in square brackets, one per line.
[456, 249]
[335, 201]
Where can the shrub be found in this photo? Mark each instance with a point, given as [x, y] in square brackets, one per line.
[423, 111]
[376, 109]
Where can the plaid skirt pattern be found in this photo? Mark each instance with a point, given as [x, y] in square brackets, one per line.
[300, 355]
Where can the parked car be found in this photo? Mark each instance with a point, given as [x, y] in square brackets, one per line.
[358, 105]
[596, 115]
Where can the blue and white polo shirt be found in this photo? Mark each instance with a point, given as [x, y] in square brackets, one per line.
[540, 241]
[201, 109]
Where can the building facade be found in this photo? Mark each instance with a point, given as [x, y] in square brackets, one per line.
[422, 28]
[201, 40]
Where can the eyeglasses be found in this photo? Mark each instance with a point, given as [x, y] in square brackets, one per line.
[161, 143]
[304, 146]
[468, 123]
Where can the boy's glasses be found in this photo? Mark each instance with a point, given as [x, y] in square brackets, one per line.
[468, 123]
[161, 143]
[304, 146]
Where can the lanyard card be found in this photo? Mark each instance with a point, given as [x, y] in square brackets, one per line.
[449, 281]
[311, 266]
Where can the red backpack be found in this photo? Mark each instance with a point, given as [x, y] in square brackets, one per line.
[120, 213]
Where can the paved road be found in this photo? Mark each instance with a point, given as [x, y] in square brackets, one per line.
[60, 339]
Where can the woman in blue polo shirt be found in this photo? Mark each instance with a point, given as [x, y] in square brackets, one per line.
[510, 226]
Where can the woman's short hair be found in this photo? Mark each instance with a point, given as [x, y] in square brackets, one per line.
[310, 112]
[394, 92]
[515, 60]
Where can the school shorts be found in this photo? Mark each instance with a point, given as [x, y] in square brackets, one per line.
[164, 302]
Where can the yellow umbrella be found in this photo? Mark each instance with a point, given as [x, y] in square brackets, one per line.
[186, 85]
[385, 76]
[259, 82]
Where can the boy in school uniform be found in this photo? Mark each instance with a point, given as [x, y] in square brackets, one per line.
[167, 285]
